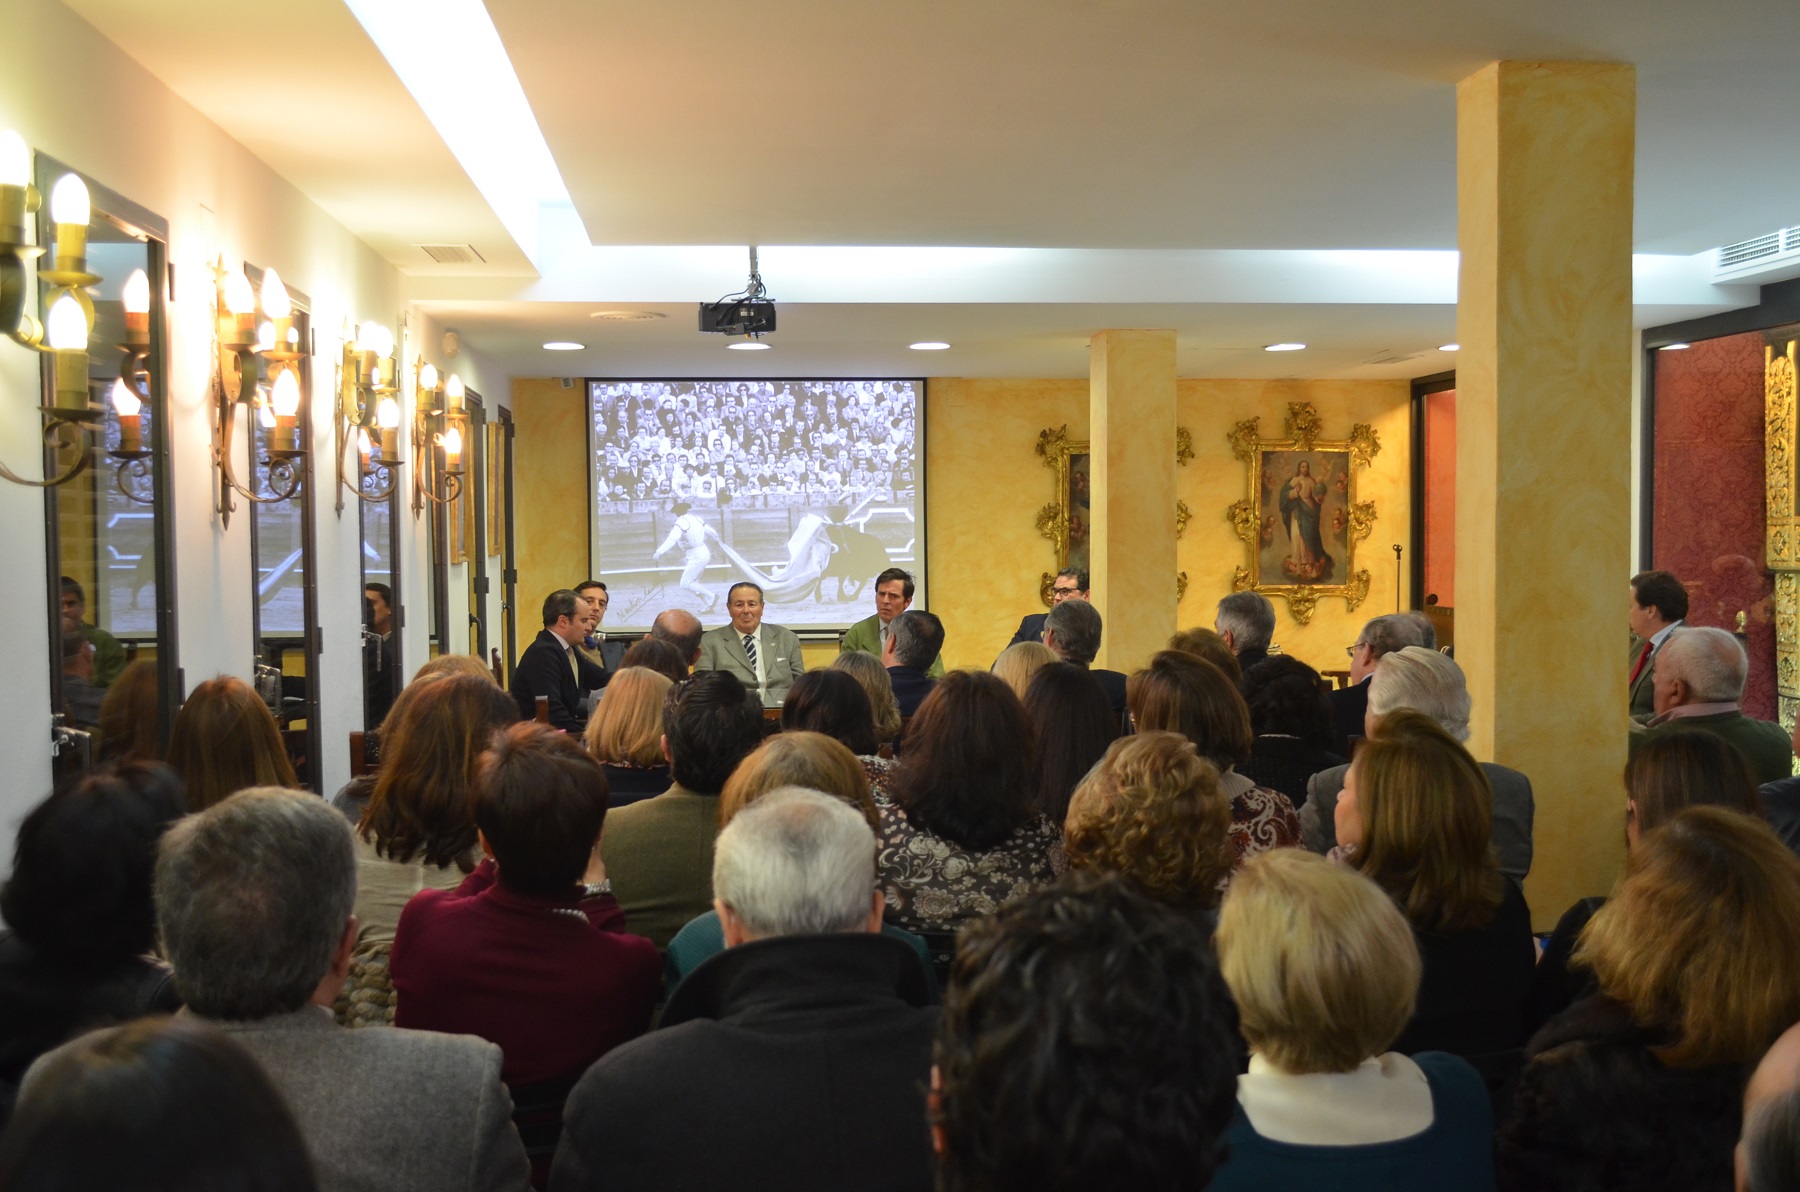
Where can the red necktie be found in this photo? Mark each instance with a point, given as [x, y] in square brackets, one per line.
[1643, 657]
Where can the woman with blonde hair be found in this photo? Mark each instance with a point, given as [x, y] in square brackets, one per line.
[625, 734]
[1415, 818]
[1324, 971]
[224, 740]
[1019, 662]
[1697, 959]
[867, 670]
[1152, 811]
[809, 760]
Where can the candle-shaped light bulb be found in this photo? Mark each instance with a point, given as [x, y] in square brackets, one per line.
[67, 328]
[275, 301]
[387, 341]
[240, 299]
[125, 402]
[363, 444]
[15, 159]
[453, 394]
[266, 417]
[286, 399]
[69, 202]
[387, 414]
[137, 293]
[428, 377]
[452, 446]
[265, 336]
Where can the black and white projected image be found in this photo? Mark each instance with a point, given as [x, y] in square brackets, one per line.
[808, 488]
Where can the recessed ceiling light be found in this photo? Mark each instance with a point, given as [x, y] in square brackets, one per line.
[1449, 347]
[1283, 347]
[1675, 347]
[627, 316]
[750, 345]
[563, 345]
[928, 345]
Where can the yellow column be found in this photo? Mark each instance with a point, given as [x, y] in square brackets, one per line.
[1131, 428]
[1544, 207]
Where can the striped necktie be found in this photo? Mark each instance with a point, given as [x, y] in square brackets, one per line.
[750, 650]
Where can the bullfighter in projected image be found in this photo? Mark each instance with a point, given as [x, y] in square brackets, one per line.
[691, 530]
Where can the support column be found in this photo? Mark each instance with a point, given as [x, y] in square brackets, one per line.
[1543, 518]
[1131, 428]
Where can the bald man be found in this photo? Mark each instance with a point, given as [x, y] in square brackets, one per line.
[680, 629]
[1767, 1158]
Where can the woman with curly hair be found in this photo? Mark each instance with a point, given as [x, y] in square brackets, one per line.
[1153, 812]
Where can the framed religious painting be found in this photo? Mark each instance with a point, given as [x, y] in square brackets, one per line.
[1301, 518]
[1065, 521]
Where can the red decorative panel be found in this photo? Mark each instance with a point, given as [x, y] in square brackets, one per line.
[1709, 494]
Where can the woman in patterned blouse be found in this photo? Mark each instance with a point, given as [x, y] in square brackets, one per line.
[958, 833]
[1179, 693]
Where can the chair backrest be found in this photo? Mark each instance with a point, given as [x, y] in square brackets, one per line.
[543, 709]
[359, 757]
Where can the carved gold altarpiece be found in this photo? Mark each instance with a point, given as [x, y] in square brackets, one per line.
[1781, 454]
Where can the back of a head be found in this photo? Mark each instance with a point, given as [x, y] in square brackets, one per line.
[1662, 591]
[540, 801]
[650, 653]
[1771, 1147]
[129, 727]
[1677, 768]
[680, 629]
[1395, 631]
[1074, 723]
[868, 672]
[918, 638]
[1427, 813]
[1710, 661]
[79, 893]
[1208, 646]
[1087, 1041]
[1286, 696]
[1152, 811]
[252, 897]
[1700, 939]
[1019, 663]
[1323, 966]
[798, 757]
[1249, 618]
[420, 804]
[1424, 681]
[1178, 693]
[224, 739]
[157, 1105]
[710, 727]
[970, 759]
[626, 728]
[834, 703]
[1072, 629]
[455, 664]
[796, 862]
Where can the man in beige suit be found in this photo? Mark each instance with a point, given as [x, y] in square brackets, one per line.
[254, 896]
[765, 658]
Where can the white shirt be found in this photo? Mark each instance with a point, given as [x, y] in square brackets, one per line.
[1384, 1099]
[762, 673]
[1662, 635]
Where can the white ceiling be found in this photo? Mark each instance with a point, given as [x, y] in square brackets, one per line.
[1122, 124]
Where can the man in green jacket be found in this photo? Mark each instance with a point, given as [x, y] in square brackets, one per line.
[1700, 675]
[109, 655]
[893, 596]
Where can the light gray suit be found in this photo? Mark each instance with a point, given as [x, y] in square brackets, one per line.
[1513, 810]
[722, 649]
[384, 1109]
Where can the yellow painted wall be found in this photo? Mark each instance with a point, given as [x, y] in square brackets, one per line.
[550, 498]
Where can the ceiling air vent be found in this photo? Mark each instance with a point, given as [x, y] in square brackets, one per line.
[1393, 359]
[1760, 259]
[626, 316]
[453, 254]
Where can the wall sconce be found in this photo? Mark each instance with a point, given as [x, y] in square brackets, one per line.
[437, 405]
[368, 416]
[132, 389]
[235, 384]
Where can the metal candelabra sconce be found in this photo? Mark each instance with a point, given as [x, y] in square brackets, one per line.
[438, 421]
[235, 384]
[131, 390]
[368, 416]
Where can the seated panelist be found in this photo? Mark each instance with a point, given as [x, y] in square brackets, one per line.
[765, 658]
[552, 666]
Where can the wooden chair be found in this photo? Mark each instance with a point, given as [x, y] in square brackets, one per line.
[543, 710]
[359, 756]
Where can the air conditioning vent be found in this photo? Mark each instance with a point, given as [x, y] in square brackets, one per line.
[1761, 259]
[453, 254]
[1745, 251]
[626, 316]
[1391, 359]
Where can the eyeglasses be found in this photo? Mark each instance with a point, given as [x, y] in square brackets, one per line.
[1066, 591]
[1351, 650]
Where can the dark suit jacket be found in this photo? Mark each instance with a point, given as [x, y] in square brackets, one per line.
[606, 655]
[1031, 629]
[1113, 683]
[1349, 708]
[1249, 658]
[544, 670]
[911, 686]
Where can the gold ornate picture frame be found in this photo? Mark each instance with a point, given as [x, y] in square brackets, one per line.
[1301, 518]
[1781, 450]
[1064, 521]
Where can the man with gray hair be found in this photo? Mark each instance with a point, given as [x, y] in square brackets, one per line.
[254, 898]
[1430, 683]
[1380, 636]
[1768, 1149]
[1700, 676]
[1072, 631]
[798, 1057]
[914, 641]
[1246, 620]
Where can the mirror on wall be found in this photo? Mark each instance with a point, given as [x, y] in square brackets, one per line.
[114, 683]
[381, 607]
[471, 525]
[500, 527]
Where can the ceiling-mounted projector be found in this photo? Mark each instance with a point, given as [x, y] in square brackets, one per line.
[749, 312]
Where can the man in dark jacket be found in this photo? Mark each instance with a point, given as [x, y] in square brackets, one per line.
[797, 1058]
[1072, 630]
[551, 665]
[915, 643]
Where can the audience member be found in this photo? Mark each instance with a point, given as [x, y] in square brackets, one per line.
[681, 629]
[893, 596]
[914, 642]
[353, 797]
[552, 669]
[659, 851]
[1152, 811]
[1674, 770]
[1659, 606]
[1781, 807]
[130, 728]
[873, 678]
[625, 734]
[1426, 681]
[1414, 817]
[381, 676]
[82, 923]
[607, 655]
[1072, 631]
[456, 664]
[224, 739]
[1380, 637]
[1179, 693]
[1290, 726]
[765, 658]
[831, 702]
[1697, 960]
[530, 952]
[81, 696]
[255, 897]
[1768, 1150]
[1208, 646]
[1700, 674]
[1087, 1042]
[1073, 723]
[1246, 622]
[654, 654]
[796, 1058]
[108, 655]
[1071, 583]
[959, 835]
[1324, 971]
[161, 1105]
[1020, 662]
